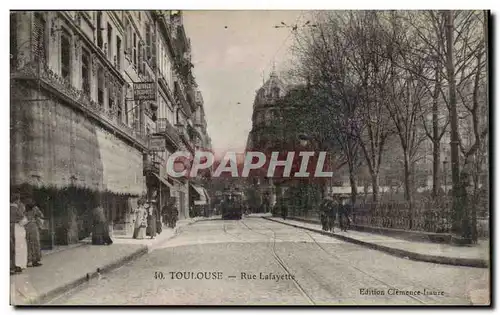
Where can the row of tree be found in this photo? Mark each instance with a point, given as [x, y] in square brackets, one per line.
[413, 75]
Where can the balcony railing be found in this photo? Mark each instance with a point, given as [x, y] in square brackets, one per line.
[179, 95]
[40, 71]
[152, 167]
[181, 129]
[153, 163]
[165, 127]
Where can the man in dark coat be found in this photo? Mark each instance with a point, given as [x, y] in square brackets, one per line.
[332, 213]
[324, 214]
[284, 209]
[345, 210]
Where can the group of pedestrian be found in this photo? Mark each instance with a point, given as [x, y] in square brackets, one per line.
[148, 220]
[26, 220]
[330, 208]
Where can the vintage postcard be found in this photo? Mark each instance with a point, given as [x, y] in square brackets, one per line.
[183, 157]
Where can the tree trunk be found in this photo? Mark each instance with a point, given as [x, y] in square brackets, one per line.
[352, 179]
[408, 187]
[458, 209]
[436, 162]
[407, 174]
[375, 186]
[436, 145]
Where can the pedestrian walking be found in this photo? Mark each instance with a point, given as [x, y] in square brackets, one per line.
[173, 213]
[284, 210]
[141, 217]
[332, 209]
[151, 228]
[19, 248]
[35, 223]
[324, 214]
[100, 228]
[345, 210]
[159, 227]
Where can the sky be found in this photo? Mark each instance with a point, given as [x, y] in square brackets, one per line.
[229, 65]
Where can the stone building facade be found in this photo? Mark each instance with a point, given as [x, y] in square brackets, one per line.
[77, 129]
[266, 131]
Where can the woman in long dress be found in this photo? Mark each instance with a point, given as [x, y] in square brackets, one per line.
[100, 228]
[151, 229]
[20, 245]
[141, 217]
[35, 217]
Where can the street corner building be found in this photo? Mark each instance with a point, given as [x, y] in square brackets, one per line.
[280, 124]
[99, 100]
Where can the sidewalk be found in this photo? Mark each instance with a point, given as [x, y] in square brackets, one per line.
[65, 269]
[470, 256]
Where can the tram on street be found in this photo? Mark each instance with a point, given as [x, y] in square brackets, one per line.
[232, 206]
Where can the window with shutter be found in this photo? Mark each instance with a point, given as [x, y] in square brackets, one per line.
[86, 72]
[118, 52]
[153, 48]
[140, 62]
[126, 38]
[110, 41]
[148, 41]
[144, 60]
[135, 50]
[100, 87]
[66, 55]
[40, 51]
[99, 29]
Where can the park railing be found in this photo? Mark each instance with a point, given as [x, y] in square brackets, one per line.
[428, 216]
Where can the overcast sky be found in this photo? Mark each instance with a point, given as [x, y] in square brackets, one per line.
[228, 65]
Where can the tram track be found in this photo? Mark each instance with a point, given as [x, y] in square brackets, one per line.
[338, 259]
[282, 264]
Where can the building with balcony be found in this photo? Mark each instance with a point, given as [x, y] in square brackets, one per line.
[79, 133]
[177, 103]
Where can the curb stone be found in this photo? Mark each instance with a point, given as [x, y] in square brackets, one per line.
[467, 262]
[52, 294]
[46, 297]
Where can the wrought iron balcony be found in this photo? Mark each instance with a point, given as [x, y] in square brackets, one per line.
[179, 93]
[163, 126]
[181, 129]
[152, 167]
[40, 72]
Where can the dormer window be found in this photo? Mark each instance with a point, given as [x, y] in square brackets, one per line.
[276, 92]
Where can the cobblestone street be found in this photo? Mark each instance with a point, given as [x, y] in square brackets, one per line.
[325, 271]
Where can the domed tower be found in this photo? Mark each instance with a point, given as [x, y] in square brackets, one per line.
[267, 113]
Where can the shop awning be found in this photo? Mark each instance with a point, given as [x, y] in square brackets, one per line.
[202, 195]
[206, 194]
[164, 181]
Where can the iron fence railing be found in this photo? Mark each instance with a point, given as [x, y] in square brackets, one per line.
[426, 216]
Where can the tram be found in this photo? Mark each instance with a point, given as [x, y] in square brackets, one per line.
[232, 206]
